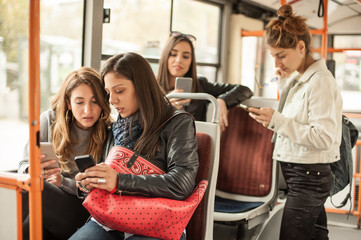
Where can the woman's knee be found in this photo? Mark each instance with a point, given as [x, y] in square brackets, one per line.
[93, 231]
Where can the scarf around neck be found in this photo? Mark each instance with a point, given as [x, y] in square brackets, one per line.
[124, 136]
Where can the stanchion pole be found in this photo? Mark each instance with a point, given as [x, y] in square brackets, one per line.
[35, 183]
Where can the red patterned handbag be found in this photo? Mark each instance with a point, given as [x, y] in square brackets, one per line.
[154, 217]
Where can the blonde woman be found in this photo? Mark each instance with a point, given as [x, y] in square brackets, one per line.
[76, 124]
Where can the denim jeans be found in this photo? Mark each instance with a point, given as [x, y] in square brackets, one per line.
[93, 231]
[304, 215]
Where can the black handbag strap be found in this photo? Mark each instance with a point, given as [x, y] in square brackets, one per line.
[136, 153]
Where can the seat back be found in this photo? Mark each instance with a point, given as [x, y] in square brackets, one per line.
[246, 156]
[211, 128]
[247, 188]
[196, 226]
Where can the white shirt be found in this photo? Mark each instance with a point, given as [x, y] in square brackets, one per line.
[309, 127]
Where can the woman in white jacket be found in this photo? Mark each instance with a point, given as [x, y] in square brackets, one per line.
[307, 126]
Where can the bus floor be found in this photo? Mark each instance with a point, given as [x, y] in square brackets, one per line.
[339, 226]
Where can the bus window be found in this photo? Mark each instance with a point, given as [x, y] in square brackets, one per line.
[131, 28]
[203, 21]
[348, 70]
[136, 27]
[60, 52]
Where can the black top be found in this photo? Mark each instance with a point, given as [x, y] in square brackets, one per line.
[232, 94]
[177, 156]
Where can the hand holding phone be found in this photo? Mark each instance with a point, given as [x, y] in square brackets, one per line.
[84, 161]
[47, 149]
[184, 83]
[245, 107]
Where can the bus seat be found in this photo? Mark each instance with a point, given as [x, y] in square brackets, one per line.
[196, 225]
[247, 184]
[212, 128]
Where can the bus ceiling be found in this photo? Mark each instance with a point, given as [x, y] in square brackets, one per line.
[344, 16]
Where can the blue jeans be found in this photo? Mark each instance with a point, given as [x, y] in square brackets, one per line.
[304, 215]
[93, 231]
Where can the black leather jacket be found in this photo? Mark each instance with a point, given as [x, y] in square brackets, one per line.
[232, 94]
[177, 157]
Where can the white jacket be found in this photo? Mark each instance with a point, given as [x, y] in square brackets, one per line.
[309, 128]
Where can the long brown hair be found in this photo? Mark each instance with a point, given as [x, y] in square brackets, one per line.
[287, 30]
[60, 133]
[154, 109]
[163, 76]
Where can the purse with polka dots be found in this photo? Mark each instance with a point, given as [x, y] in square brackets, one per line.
[162, 218]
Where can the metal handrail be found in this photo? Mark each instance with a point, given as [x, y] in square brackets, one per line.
[199, 96]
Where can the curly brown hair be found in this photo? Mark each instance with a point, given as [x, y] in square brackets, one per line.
[287, 30]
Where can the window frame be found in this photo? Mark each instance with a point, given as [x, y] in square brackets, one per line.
[92, 44]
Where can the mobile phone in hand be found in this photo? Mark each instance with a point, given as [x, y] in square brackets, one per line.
[245, 107]
[184, 83]
[84, 161]
[47, 149]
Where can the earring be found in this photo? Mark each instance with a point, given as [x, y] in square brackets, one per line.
[67, 115]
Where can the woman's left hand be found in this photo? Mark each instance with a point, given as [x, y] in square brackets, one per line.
[100, 176]
[261, 115]
[55, 178]
[223, 120]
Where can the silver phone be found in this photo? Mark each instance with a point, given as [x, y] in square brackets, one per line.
[184, 83]
[47, 149]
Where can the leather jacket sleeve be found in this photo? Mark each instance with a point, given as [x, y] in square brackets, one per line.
[178, 152]
[232, 94]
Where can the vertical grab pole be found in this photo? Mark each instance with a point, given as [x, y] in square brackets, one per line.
[282, 2]
[325, 30]
[35, 211]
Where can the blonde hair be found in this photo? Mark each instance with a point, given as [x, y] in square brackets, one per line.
[60, 128]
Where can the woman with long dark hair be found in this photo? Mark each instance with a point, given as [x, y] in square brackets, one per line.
[142, 108]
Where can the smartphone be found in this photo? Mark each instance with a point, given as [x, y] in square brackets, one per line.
[84, 161]
[184, 83]
[244, 107]
[47, 149]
